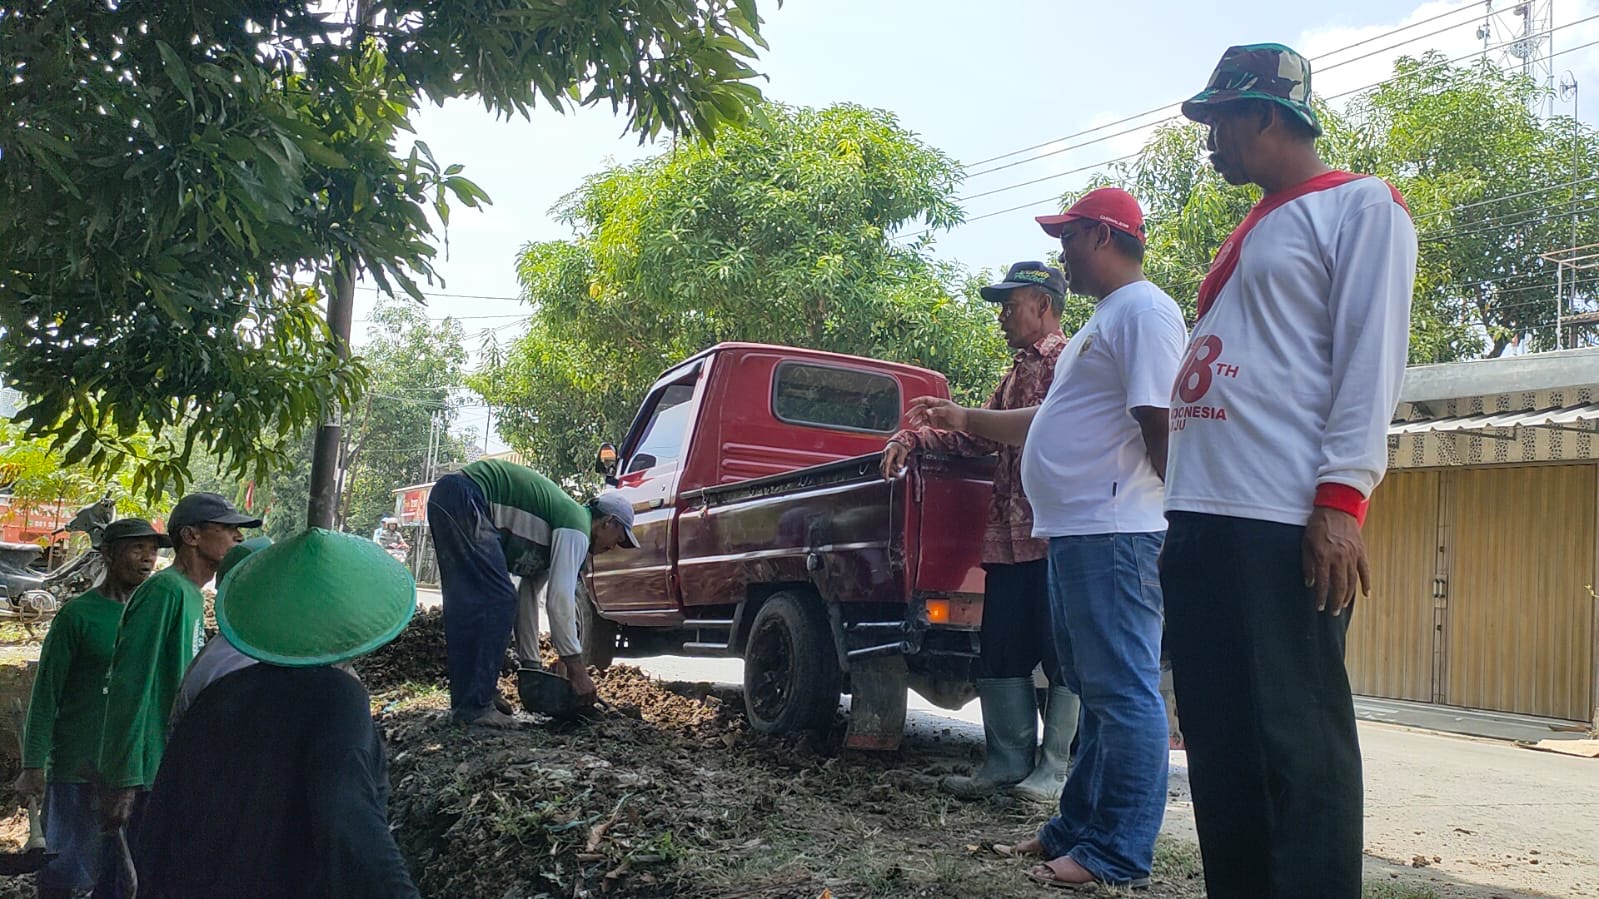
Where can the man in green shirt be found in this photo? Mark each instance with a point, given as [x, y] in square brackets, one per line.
[163, 629]
[493, 518]
[61, 740]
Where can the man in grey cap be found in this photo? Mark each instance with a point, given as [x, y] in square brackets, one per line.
[62, 736]
[163, 628]
[1017, 634]
[490, 520]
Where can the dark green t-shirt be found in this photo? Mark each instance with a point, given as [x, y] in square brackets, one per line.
[68, 705]
[163, 629]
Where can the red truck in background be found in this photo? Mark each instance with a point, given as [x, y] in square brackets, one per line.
[767, 532]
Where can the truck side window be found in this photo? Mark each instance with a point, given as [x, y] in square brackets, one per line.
[661, 441]
[844, 399]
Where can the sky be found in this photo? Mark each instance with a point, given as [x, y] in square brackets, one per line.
[975, 80]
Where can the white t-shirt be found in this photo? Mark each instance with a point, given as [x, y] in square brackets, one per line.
[1085, 468]
[1292, 376]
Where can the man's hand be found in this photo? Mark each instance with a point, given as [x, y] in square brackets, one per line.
[1334, 559]
[29, 784]
[894, 456]
[937, 412]
[573, 669]
[118, 808]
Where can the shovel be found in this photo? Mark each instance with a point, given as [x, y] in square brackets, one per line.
[548, 693]
[33, 855]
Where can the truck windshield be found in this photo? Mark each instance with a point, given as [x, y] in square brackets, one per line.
[662, 440]
[839, 398]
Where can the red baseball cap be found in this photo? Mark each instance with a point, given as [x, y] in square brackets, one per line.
[1111, 205]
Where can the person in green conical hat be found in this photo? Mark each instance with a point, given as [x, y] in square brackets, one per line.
[274, 780]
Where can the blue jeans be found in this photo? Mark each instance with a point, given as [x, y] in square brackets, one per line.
[479, 599]
[87, 858]
[1105, 602]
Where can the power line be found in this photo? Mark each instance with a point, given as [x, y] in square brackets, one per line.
[1527, 193]
[453, 296]
[1160, 109]
[1169, 106]
[459, 318]
[1135, 154]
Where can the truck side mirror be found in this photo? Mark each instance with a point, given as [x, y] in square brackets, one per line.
[605, 462]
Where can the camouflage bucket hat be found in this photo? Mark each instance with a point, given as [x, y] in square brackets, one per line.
[1257, 72]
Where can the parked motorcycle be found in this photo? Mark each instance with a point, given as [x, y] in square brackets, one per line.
[28, 594]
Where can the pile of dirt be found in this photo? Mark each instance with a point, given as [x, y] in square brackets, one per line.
[668, 792]
[416, 656]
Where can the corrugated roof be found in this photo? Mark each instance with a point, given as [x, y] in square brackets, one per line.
[1557, 416]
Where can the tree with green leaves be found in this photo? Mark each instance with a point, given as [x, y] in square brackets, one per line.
[34, 477]
[185, 183]
[416, 369]
[1492, 188]
[779, 232]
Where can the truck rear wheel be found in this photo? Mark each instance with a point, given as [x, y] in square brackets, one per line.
[791, 674]
[597, 635]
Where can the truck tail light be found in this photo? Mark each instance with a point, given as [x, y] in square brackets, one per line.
[938, 611]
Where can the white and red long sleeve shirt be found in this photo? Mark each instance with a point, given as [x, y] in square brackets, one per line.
[1293, 370]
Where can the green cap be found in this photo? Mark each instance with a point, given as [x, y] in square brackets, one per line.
[237, 554]
[318, 598]
[1257, 72]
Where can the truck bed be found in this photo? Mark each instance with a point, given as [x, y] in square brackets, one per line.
[840, 528]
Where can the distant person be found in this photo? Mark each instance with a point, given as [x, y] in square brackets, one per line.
[388, 534]
[1279, 435]
[275, 781]
[163, 628]
[1016, 630]
[495, 517]
[61, 742]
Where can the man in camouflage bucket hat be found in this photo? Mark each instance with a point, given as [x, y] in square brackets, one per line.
[1279, 422]
[1269, 72]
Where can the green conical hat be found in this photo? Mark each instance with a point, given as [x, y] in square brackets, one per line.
[319, 598]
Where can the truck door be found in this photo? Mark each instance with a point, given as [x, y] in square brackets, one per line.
[639, 580]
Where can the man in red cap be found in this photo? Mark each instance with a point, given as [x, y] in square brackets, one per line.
[1093, 457]
[1279, 434]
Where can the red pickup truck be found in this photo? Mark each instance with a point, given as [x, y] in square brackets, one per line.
[767, 532]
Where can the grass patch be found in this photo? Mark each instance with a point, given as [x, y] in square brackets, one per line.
[412, 696]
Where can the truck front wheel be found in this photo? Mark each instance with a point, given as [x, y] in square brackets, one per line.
[791, 674]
